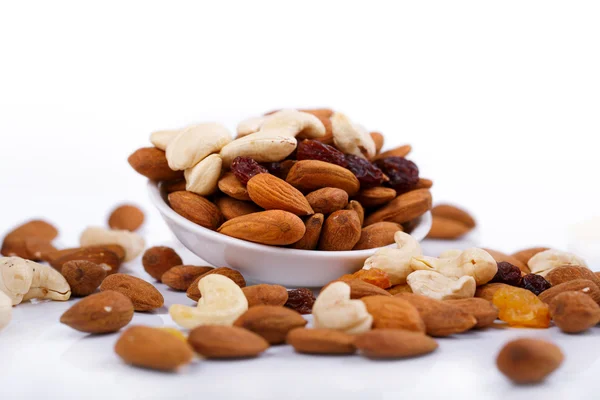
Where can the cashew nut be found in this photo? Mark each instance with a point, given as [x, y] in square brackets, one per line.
[333, 309]
[546, 261]
[437, 286]
[473, 262]
[203, 178]
[5, 310]
[250, 125]
[351, 138]
[194, 143]
[130, 241]
[263, 147]
[222, 302]
[23, 280]
[396, 262]
[285, 123]
[160, 139]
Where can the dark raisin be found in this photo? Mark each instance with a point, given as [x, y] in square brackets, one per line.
[507, 273]
[300, 300]
[315, 150]
[367, 173]
[536, 284]
[403, 173]
[245, 168]
[280, 169]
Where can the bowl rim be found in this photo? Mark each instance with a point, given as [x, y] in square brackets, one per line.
[163, 207]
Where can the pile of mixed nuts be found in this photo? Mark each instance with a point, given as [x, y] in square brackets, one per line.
[394, 307]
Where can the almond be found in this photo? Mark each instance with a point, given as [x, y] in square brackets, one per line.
[441, 318]
[376, 196]
[526, 361]
[99, 313]
[193, 292]
[232, 208]
[232, 187]
[107, 259]
[173, 186]
[320, 341]
[577, 285]
[525, 255]
[502, 257]
[309, 175]
[454, 213]
[83, 277]
[196, 209]
[181, 277]
[14, 241]
[265, 295]
[377, 235]
[403, 208]
[126, 217]
[483, 310]
[574, 312]
[275, 227]
[400, 151]
[38, 249]
[378, 139]
[424, 183]
[271, 322]
[488, 290]
[142, 294]
[393, 313]
[152, 163]
[394, 343]
[341, 231]
[310, 240]
[272, 193]
[447, 229]
[402, 288]
[564, 274]
[153, 348]
[158, 260]
[226, 342]
[327, 200]
[359, 209]
[360, 288]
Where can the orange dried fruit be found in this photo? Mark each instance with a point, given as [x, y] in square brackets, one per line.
[521, 308]
[373, 276]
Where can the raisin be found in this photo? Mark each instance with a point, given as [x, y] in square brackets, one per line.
[403, 173]
[279, 169]
[300, 300]
[507, 273]
[373, 276]
[315, 150]
[245, 168]
[536, 284]
[520, 307]
[367, 173]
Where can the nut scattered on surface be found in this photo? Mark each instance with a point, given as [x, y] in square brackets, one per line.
[5, 310]
[394, 343]
[158, 260]
[193, 291]
[15, 241]
[393, 313]
[142, 294]
[271, 322]
[483, 310]
[334, 309]
[544, 262]
[265, 295]
[132, 242]
[321, 341]
[222, 342]
[528, 361]
[584, 286]
[568, 273]
[84, 277]
[102, 312]
[126, 217]
[574, 312]
[181, 277]
[104, 256]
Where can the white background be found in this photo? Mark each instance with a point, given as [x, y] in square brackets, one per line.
[500, 100]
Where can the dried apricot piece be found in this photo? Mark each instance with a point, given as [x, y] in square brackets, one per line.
[521, 308]
[373, 276]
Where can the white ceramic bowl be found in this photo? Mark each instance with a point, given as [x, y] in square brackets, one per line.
[268, 264]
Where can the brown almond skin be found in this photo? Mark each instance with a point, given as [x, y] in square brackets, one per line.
[232, 208]
[525, 255]
[84, 277]
[379, 141]
[309, 175]
[310, 240]
[403, 288]
[327, 200]
[424, 183]
[447, 229]
[574, 312]
[193, 292]
[441, 318]
[321, 341]
[265, 295]
[222, 342]
[454, 213]
[196, 209]
[271, 322]
[341, 231]
[173, 186]
[101, 255]
[568, 273]
[152, 163]
[359, 209]
[272, 193]
[488, 290]
[394, 343]
[37, 248]
[102, 312]
[181, 277]
[360, 288]
[232, 187]
[500, 257]
[400, 151]
[159, 259]
[274, 227]
[376, 196]
[142, 294]
[584, 286]
[403, 208]
[393, 313]
[14, 241]
[528, 361]
[377, 235]
[483, 310]
[153, 348]
[126, 217]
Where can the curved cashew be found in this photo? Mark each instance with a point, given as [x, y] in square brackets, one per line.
[222, 302]
[250, 125]
[473, 262]
[160, 139]
[130, 241]
[546, 261]
[263, 147]
[5, 310]
[351, 138]
[333, 309]
[194, 143]
[284, 122]
[396, 262]
[203, 178]
[450, 254]
[437, 286]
